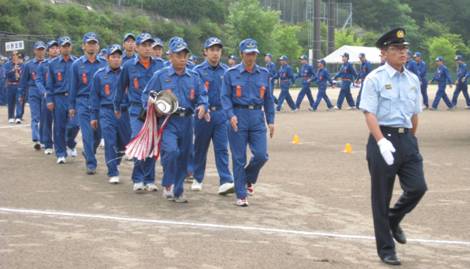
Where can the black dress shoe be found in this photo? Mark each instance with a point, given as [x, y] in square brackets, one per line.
[391, 260]
[398, 234]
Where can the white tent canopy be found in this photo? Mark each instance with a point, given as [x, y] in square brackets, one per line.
[372, 54]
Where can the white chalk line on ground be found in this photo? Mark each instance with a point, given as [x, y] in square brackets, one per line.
[196, 225]
[15, 126]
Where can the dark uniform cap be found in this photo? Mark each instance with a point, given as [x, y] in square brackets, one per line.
[283, 58]
[158, 42]
[39, 45]
[52, 43]
[249, 45]
[417, 54]
[459, 58]
[395, 36]
[144, 37]
[233, 57]
[115, 48]
[129, 35]
[90, 36]
[303, 57]
[321, 61]
[269, 55]
[345, 55]
[177, 45]
[439, 59]
[64, 40]
[212, 41]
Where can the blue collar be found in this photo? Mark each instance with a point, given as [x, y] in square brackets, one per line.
[84, 59]
[109, 70]
[171, 71]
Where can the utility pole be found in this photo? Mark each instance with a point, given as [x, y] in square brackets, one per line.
[331, 25]
[316, 30]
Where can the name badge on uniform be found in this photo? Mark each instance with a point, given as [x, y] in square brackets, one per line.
[388, 86]
[107, 90]
[413, 89]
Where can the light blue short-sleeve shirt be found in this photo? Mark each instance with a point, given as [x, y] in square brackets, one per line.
[392, 96]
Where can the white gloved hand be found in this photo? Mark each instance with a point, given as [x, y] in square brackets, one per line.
[386, 149]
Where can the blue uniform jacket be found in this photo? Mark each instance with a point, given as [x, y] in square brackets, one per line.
[212, 78]
[29, 76]
[58, 78]
[81, 76]
[103, 89]
[132, 81]
[462, 73]
[366, 67]
[187, 88]
[323, 77]
[307, 73]
[241, 87]
[346, 72]
[422, 71]
[285, 75]
[442, 76]
[412, 66]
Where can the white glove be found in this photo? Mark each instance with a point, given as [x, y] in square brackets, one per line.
[386, 149]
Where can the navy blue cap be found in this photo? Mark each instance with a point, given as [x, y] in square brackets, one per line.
[104, 51]
[144, 37]
[52, 43]
[362, 54]
[345, 55]
[303, 57]
[193, 58]
[39, 45]
[439, 59]
[114, 48]
[64, 40]
[249, 45]
[212, 41]
[129, 35]
[233, 57]
[269, 55]
[178, 45]
[395, 36]
[90, 36]
[321, 61]
[283, 58]
[158, 42]
[417, 54]
[459, 58]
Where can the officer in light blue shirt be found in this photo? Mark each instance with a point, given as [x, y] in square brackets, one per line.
[391, 101]
[461, 83]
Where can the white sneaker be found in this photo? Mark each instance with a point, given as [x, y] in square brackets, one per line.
[226, 188]
[61, 160]
[168, 192]
[114, 180]
[139, 187]
[180, 200]
[48, 151]
[196, 186]
[11, 121]
[242, 202]
[18, 121]
[151, 187]
[72, 152]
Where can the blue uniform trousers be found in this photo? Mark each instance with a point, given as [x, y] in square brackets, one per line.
[65, 129]
[322, 95]
[251, 132]
[345, 92]
[176, 150]
[461, 87]
[424, 93]
[12, 101]
[217, 131]
[45, 125]
[304, 91]
[90, 138]
[285, 95]
[441, 93]
[143, 171]
[35, 105]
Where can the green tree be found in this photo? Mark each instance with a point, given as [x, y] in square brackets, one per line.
[247, 19]
[286, 42]
[347, 37]
[441, 46]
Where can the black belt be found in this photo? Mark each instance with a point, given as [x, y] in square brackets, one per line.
[183, 113]
[12, 83]
[250, 107]
[215, 108]
[396, 130]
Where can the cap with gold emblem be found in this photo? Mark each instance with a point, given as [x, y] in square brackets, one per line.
[395, 36]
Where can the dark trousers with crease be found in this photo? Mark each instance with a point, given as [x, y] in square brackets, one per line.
[408, 165]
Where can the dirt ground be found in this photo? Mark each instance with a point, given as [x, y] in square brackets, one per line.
[311, 208]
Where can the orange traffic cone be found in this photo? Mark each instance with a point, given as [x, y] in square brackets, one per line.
[347, 148]
[295, 140]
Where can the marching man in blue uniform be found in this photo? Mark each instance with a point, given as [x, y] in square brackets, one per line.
[116, 132]
[129, 47]
[13, 70]
[347, 74]
[411, 64]
[286, 79]
[391, 102]
[58, 90]
[134, 76]
[249, 105]
[268, 59]
[461, 83]
[177, 137]
[212, 72]
[422, 73]
[28, 82]
[307, 74]
[323, 77]
[442, 77]
[82, 73]
[366, 67]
